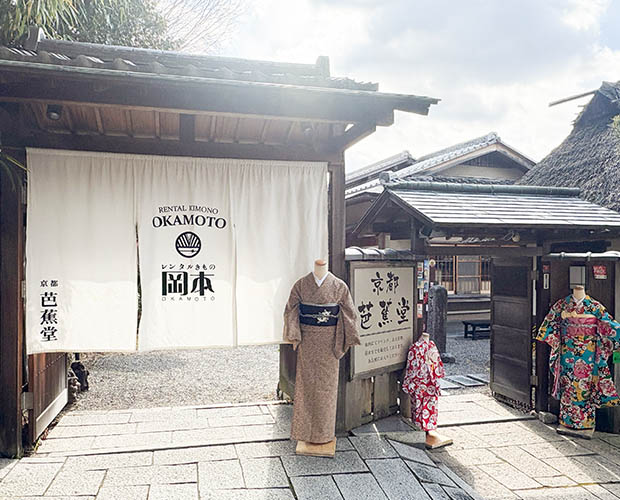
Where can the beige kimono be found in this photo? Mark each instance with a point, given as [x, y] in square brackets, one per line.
[321, 323]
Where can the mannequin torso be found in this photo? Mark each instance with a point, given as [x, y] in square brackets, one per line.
[579, 294]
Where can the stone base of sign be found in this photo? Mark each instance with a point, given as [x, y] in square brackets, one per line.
[580, 433]
[316, 450]
[547, 418]
[448, 358]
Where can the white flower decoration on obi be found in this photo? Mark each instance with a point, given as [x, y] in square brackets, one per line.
[323, 317]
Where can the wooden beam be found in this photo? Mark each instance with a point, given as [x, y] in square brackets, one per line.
[486, 251]
[157, 124]
[213, 128]
[263, 132]
[129, 122]
[187, 128]
[237, 127]
[11, 314]
[355, 134]
[289, 132]
[283, 102]
[166, 147]
[99, 121]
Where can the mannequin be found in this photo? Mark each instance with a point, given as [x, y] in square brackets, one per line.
[421, 382]
[320, 268]
[582, 336]
[321, 323]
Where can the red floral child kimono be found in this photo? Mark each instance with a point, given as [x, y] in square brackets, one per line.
[421, 382]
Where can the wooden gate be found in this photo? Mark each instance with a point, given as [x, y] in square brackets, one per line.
[511, 327]
[48, 388]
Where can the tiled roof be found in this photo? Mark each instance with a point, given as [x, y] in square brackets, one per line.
[431, 160]
[428, 162]
[90, 55]
[376, 185]
[501, 205]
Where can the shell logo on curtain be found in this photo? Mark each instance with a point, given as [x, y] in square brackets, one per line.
[216, 244]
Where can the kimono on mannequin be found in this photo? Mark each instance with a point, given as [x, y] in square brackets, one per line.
[421, 382]
[580, 348]
[321, 323]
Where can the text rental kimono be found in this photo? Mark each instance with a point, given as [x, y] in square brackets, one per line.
[320, 321]
[580, 348]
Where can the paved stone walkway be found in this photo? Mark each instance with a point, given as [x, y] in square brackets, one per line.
[243, 452]
[526, 458]
[219, 453]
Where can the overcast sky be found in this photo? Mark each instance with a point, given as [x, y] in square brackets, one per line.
[495, 64]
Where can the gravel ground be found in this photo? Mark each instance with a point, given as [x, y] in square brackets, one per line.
[207, 376]
[180, 378]
[472, 356]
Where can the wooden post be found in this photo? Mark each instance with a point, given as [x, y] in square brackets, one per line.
[336, 219]
[11, 314]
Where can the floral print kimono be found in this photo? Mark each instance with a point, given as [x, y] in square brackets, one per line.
[580, 348]
[421, 382]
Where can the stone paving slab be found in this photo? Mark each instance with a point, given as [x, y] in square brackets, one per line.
[266, 449]
[351, 485]
[196, 454]
[173, 492]
[6, 464]
[102, 462]
[412, 453]
[342, 463]
[156, 474]
[447, 385]
[435, 491]
[482, 377]
[393, 423]
[372, 446]
[123, 493]
[263, 494]
[224, 474]
[396, 480]
[464, 381]
[429, 474]
[264, 473]
[317, 487]
[67, 483]
[232, 411]
[29, 479]
[91, 430]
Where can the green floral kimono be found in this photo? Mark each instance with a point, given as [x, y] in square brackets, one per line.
[580, 348]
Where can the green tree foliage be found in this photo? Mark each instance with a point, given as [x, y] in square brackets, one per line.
[157, 24]
[17, 15]
[133, 23]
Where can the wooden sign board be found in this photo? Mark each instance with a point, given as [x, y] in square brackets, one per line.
[384, 299]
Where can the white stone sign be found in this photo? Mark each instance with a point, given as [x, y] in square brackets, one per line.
[384, 300]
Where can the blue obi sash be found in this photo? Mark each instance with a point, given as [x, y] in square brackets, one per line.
[318, 314]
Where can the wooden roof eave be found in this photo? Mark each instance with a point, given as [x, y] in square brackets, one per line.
[209, 94]
[380, 203]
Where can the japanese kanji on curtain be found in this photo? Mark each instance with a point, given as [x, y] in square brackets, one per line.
[81, 269]
[215, 245]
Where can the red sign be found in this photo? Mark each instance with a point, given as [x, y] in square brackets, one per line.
[600, 272]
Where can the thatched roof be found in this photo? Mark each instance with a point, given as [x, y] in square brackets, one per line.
[589, 158]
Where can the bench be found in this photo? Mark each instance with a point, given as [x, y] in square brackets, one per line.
[477, 329]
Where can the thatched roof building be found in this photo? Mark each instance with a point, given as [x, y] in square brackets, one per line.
[589, 158]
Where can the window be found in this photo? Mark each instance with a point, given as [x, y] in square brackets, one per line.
[445, 272]
[468, 274]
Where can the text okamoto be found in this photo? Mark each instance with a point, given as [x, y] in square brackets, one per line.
[189, 220]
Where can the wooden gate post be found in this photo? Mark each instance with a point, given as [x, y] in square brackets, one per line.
[11, 314]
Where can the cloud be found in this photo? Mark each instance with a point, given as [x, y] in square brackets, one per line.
[495, 64]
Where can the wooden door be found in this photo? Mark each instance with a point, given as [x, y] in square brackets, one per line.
[511, 327]
[49, 388]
